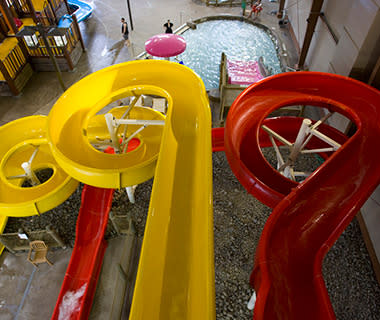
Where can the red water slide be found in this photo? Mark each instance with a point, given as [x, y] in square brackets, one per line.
[308, 218]
[78, 288]
[217, 135]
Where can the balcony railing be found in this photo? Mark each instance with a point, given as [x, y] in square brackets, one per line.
[47, 16]
[44, 11]
[20, 6]
[55, 3]
[72, 37]
[15, 70]
[13, 62]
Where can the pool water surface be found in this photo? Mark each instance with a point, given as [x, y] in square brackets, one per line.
[238, 40]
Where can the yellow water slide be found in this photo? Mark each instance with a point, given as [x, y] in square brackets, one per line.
[175, 278]
[24, 149]
[74, 127]
[31, 182]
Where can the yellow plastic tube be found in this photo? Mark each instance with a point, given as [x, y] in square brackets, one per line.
[20, 138]
[73, 119]
[175, 278]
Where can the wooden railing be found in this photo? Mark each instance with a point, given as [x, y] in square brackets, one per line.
[3, 25]
[55, 3]
[14, 62]
[72, 37]
[41, 50]
[47, 16]
[20, 6]
[15, 70]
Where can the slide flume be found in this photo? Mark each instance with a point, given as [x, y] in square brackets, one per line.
[79, 284]
[175, 278]
[309, 217]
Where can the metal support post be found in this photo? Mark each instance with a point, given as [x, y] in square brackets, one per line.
[315, 12]
[130, 14]
[55, 236]
[51, 55]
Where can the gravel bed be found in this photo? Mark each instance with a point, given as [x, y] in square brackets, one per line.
[350, 279]
[238, 221]
[139, 210]
[62, 219]
[304, 162]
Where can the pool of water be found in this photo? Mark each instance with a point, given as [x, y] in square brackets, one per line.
[238, 40]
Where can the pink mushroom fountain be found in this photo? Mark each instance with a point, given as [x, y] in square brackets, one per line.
[165, 45]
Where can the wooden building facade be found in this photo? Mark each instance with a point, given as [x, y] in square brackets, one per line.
[17, 60]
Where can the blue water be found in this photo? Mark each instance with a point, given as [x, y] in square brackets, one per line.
[238, 40]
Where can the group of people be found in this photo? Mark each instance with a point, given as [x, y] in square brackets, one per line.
[125, 31]
[256, 8]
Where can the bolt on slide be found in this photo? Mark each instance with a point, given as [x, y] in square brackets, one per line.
[309, 217]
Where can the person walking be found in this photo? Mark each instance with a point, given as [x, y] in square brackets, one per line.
[125, 31]
[168, 27]
[243, 6]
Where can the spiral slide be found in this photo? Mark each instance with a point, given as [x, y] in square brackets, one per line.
[176, 276]
[308, 218]
[25, 148]
[24, 151]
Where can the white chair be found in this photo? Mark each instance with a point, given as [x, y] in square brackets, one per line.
[38, 252]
